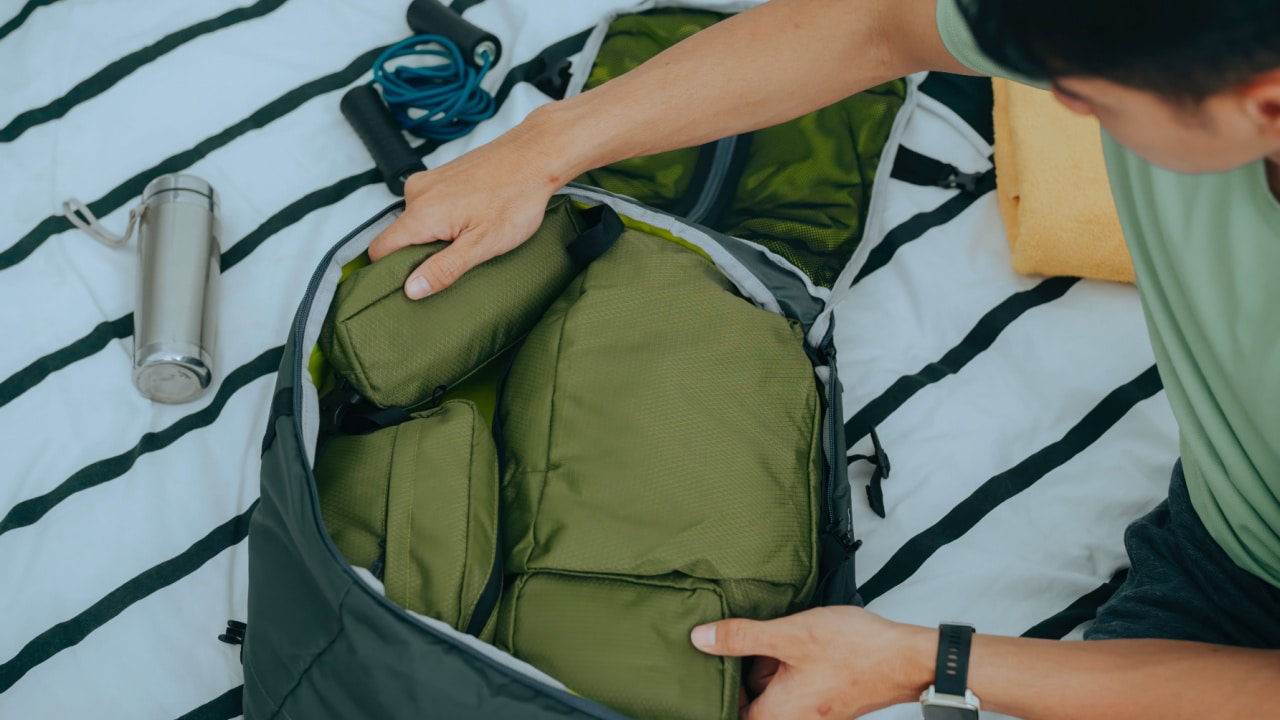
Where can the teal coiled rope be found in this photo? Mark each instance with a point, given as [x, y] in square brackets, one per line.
[447, 94]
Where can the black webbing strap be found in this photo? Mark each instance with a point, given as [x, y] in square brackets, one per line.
[604, 228]
[879, 459]
[917, 169]
[366, 421]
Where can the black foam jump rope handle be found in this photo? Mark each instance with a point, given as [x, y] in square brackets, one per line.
[372, 121]
[429, 17]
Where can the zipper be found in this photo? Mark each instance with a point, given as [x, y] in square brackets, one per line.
[568, 699]
[720, 163]
[830, 355]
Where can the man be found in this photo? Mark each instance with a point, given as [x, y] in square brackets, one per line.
[1188, 92]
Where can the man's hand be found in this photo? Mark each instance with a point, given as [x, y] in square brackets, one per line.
[485, 203]
[842, 662]
[831, 663]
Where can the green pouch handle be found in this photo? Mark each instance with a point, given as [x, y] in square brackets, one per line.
[397, 352]
[419, 501]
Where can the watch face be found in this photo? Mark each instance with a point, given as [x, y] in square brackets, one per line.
[936, 712]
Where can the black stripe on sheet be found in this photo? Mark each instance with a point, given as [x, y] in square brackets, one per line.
[68, 633]
[30, 511]
[1078, 612]
[920, 224]
[22, 16]
[229, 704]
[122, 327]
[969, 512]
[296, 211]
[978, 340]
[108, 76]
[35, 373]
[132, 188]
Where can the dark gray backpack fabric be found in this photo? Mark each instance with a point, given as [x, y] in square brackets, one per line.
[323, 643]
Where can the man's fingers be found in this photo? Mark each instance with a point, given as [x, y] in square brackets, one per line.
[408, 229]
[740, 638]
[785, 699]
[441, 270]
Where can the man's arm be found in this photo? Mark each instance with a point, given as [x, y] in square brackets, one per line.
[1122, 679]
[846, 662]
[764, 66]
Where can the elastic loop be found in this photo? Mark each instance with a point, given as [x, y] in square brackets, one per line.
[83, 218]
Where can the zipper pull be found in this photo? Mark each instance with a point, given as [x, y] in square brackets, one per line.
[379, 563]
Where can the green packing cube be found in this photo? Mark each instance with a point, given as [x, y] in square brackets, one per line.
[399, 353]
[565, 623]
[663, 465]
[417, 505]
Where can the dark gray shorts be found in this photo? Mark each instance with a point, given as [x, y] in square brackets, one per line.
[1182, 586]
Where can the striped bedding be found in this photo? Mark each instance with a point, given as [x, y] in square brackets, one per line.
[1023, 417]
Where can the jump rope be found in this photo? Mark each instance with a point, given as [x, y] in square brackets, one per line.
[430, 87]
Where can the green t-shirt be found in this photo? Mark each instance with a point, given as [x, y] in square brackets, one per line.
[1206, 249]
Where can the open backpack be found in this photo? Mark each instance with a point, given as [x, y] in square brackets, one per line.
[775, 228]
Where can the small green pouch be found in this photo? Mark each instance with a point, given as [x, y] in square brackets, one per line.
[629, 639]
[417, 504]
[397, 352]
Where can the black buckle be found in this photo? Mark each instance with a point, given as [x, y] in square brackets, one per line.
[966, 182]
[234, 634]
[879, 459]
[552, 78]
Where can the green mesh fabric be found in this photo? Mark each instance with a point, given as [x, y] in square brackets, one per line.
[632, 640]
[398, 352]
[807, 183]
[428, 490]
[657, 424]
[660, 180]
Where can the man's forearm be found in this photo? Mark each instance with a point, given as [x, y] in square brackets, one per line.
[759, 68]
[1120, 679]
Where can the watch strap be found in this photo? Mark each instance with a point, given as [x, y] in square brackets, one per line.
[952, 676]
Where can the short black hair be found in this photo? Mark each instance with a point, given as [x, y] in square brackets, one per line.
[1185, 50]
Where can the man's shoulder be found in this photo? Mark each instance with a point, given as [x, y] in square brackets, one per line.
[958, 38]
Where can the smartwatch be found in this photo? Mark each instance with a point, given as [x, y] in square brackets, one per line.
[949, 697]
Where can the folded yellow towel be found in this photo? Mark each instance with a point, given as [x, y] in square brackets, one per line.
[1053, 188]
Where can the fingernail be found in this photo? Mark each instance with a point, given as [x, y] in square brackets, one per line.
[704, 637]
[417, 288]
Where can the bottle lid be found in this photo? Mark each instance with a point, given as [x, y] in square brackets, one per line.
[172, 379]
[178, 185]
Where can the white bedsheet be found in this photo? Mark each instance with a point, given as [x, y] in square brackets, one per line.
[122, 522]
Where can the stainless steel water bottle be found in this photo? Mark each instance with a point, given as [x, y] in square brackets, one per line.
[179, 262]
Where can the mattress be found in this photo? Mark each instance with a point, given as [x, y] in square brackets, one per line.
[1023, 417]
